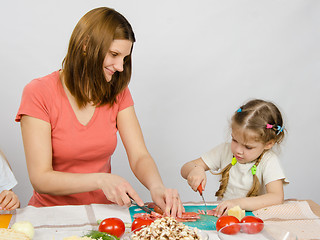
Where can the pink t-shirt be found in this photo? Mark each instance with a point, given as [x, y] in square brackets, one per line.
[75, 148]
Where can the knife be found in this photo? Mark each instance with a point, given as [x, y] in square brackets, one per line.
[144, 208]
[200, 189]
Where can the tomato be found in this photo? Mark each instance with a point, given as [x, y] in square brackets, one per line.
[113, 226]
[139, 222]
[229, 224]
[252, 224]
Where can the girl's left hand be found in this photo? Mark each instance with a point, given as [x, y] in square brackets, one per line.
[223, 207]
[168, 200]
[9, 200]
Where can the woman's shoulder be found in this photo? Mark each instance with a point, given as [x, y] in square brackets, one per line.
[46, 82]
[39, 96]
[124, 99]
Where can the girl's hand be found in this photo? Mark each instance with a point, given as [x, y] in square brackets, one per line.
[168, 200]
[196, 177]
[118, 190]
[9, 200]
[223, 207]
[195, 173]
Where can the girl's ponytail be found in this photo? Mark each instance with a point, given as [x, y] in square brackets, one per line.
[254, 191]
[223, 181]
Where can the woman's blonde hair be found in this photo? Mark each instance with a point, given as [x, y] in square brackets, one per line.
[83, 65]
[264, 119]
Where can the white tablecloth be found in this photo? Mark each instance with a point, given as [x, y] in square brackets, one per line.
[55, 223]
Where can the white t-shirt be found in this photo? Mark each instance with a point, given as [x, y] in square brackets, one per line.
[240, 176]
[7, 179]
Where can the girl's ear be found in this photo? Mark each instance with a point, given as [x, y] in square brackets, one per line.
[269, 145]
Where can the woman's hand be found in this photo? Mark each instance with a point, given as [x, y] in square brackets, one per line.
[9, 200]
[168, 200]
[118, 190]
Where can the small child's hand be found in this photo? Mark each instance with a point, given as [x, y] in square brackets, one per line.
[196, 176]
[223, 207]
[9, 200]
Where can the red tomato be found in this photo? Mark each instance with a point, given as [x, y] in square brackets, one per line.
[139, 222]
[252, 224]
[230, 224]
[113, 226]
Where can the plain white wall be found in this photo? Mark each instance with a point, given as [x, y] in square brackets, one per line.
[194, 63]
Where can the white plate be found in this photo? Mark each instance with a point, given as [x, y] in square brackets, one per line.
[269, 232]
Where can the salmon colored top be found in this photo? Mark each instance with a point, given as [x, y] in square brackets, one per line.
[76, 148]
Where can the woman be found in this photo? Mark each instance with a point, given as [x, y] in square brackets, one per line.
[69, 122]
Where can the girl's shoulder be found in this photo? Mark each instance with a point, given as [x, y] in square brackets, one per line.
[269, 155]
[221, 149]
[269, 159]
[218, 157]
[270, 168]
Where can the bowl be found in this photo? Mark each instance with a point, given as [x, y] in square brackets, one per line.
[202, 234]
[255, 231]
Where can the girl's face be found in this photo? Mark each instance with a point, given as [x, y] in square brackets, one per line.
[114, 60]
[245, 146]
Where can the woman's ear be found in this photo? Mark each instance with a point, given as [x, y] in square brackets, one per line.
[269, 145]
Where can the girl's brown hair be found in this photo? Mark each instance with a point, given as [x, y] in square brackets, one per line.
[263, 118]
[83, 65]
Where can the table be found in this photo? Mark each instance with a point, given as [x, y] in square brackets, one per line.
[55, 223]
[314, 207]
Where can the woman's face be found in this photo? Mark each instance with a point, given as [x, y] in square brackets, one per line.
[114, 60]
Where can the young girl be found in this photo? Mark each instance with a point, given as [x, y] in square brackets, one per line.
[8, 199]
[251, 176]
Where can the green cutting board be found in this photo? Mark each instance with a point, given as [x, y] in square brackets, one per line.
[204, 223]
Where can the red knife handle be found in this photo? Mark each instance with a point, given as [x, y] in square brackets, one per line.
[200, 189]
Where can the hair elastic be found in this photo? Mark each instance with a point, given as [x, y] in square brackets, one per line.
[239, 110]
[269, 126]
[254, 169]
[234, 161]
[279, 129]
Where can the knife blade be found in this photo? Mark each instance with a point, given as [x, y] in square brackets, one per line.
[200, 189]
[144, 208]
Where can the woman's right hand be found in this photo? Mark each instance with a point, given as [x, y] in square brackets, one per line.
[118, 190]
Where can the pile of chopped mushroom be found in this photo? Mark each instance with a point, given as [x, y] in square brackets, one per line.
[166, 228]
